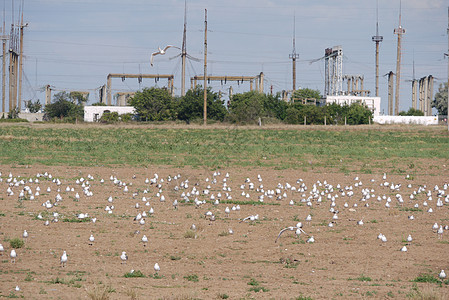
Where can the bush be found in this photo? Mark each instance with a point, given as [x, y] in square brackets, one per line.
[16, 243]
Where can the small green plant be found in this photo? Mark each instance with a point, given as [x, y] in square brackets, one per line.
[223, 233]
[175, 257]
[29, 277]
[16, 243]
[222, 296]
[192, 277]
[134, 274]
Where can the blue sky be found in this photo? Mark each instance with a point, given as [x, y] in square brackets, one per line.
[74, 44]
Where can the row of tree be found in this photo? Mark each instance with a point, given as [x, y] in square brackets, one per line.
[156, 104]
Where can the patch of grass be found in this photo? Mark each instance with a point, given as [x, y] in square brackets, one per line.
[16, 243]
[426, 278]
[192, 277]
[222, 296]
[100, 292]
[303, 298]
[75, 220]
[190, 234]
[223, 233]
[361, 278]
[135, 274]
[410, 209]
[175, 257]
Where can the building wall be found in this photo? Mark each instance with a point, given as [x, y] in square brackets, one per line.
[372, 103]
[94, 113]
[429, 120]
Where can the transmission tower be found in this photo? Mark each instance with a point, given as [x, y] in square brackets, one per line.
[399, 31]
[377, 39]
[333, 63]
[294, 56]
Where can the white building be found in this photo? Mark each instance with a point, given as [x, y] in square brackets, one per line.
[373, 103]
[94, 113]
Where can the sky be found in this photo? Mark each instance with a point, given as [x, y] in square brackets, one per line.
[73, 45]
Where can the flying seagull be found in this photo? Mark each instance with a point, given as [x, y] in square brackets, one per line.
[290, 228]
[161, 52]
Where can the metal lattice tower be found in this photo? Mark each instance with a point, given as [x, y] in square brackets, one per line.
[333, 63]
[294, 56]
[377, 39]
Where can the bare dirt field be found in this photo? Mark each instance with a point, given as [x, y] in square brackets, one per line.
[346, 261]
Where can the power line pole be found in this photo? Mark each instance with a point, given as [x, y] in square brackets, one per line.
[184, 53]
[205, 68]
[447, 117]
[377, 39]
[294, 56]
[399, 31]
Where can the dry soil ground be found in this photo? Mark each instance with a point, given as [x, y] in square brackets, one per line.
[346, 261]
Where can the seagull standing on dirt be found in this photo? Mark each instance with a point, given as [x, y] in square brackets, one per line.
[161, 52]
[63, 259]
[91, 239]
[157, 268]
[442, 275]
[13, 255]
[124, 257]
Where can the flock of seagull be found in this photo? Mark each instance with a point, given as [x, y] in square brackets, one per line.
[209, 193]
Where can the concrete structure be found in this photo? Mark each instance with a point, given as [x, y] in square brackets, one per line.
[94, 113]
[32, 117]
[430, 120]
[123, 97]
[258, 80]
[373, 103]
[170, 86]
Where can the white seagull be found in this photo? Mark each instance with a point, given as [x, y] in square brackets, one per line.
[161, 52]
[63, 259]
[124, 257]
[13, 256]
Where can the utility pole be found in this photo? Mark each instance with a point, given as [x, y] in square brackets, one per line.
[4, 39]
[377, 39]
[390, 93]
[184, 53]
[205, 68]
[294, 56]
[447, 117]
[399, 31]
[21, 58]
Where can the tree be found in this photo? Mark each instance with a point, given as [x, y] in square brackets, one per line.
[154, 104]
[411, 112]
[191, 106]
[33, 107]
[78, 98]
[62, 107]
[358, 114]
[440, 101]
[306, 93]
[247, 107]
